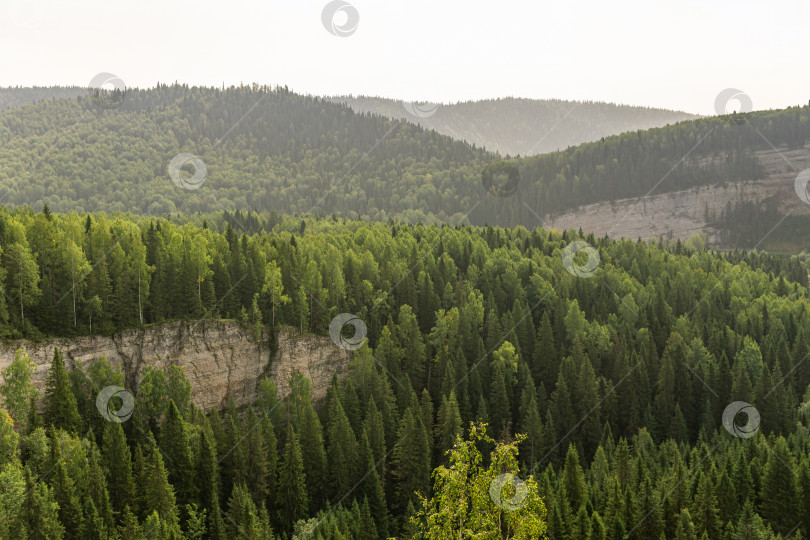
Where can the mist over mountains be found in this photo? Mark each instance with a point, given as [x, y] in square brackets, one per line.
[272, 150]
[517, 126]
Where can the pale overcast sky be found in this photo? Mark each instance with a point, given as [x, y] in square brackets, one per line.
[676, 54]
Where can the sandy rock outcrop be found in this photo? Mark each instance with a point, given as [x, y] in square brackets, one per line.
[220, 358]
[680, 214]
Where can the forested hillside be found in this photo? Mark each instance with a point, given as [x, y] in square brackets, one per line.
[509, 126]
[263, 149]
[618, 367]
[515, 126]
[290, 153]
[16, 96]
[703, 152]
[272, 150]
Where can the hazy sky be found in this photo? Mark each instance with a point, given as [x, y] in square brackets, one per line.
[675, 54]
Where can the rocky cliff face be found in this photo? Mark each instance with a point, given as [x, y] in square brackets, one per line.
[681, 214]
[220, 358]
[678, 214]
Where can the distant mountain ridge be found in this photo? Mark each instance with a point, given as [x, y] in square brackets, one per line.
[272, 150]
[263, 148]
[518, 126]
[16, 96]
[734, 178]
[508, 126]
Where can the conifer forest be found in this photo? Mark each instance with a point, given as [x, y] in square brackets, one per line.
[235, 310]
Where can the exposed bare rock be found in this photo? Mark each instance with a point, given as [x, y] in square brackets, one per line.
[681, 214]
[678, 214]
[220, 358]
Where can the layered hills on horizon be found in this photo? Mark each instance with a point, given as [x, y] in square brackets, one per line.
[271, 150]
[519, 126]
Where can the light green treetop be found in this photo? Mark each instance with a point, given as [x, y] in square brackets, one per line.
[470, 501]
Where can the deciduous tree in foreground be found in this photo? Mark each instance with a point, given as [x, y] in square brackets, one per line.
[473, 501]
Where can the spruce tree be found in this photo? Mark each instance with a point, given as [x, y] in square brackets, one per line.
[372, 487]
[351, 405]
[374, 427]
[244, 519]
[743, 481]
[649, 522]
[129, 528]
[581, 528]
[726, 498]
[97, 489]
[574, 479]
[410, 461]
[750, 524]
[557, 526]
[448, 425]
[341, 452]
[233, 460]
[314, 457]
[61, 410]
[779, 492]
[157, 494]
[93, 527]
[804, 487]
[598, 531]
[40, 511]
[271, 444]
[705, 513]
[367, 528]
[685, 529]
[426, 410]
[66, 496]
[532, 448]
[256, 459]
[500, 409]
[174, 441]
[291, 497]
[117, 462]
[195, 523]
[209, 485]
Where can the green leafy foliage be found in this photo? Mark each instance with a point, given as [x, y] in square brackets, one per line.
[469, 501]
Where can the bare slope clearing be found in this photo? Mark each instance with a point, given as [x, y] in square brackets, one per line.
[683, 213]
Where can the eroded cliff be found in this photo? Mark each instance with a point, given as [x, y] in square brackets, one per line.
[681, 214]
[220, 358]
